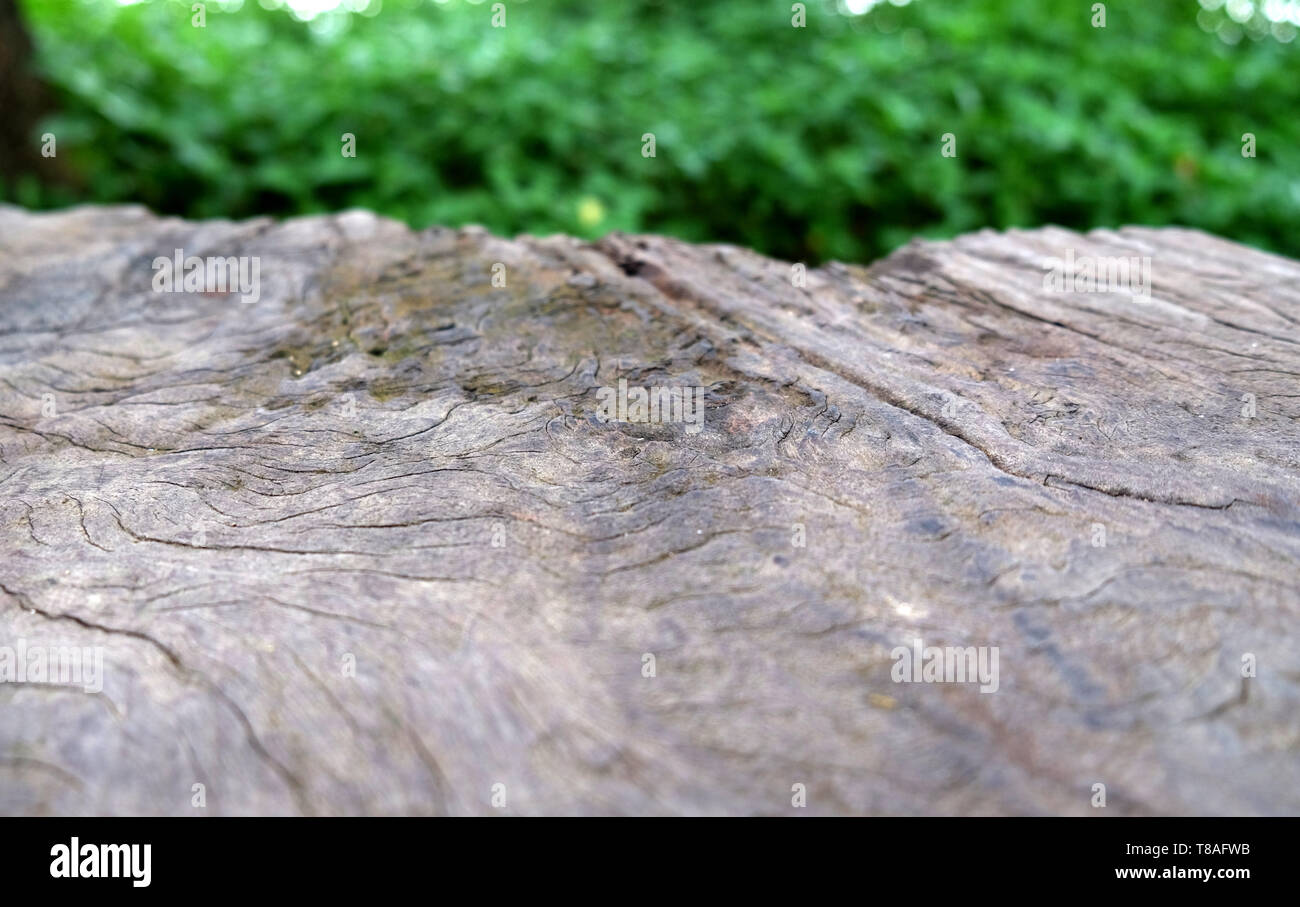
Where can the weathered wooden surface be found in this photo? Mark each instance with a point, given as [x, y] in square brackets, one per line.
[232, 499]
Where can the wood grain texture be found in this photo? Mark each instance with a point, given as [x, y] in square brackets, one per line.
[233, 499]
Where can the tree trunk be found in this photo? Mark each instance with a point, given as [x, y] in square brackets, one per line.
[23, 100]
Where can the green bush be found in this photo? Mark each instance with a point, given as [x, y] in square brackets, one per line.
[805, 143]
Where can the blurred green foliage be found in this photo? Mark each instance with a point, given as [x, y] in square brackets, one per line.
[805, 143]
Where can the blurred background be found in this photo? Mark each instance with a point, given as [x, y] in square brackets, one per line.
[804, 143]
